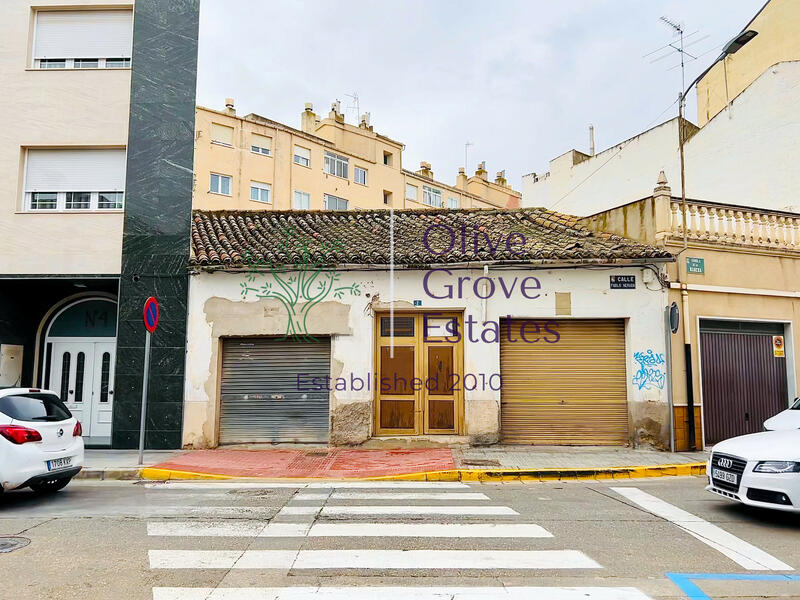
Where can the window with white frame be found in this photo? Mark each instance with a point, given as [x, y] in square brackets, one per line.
[221, 134]
[259, 192]
[74, 180]
[302, 156]
[411, 192]
[83, 39]
[360, 175]
[260, 144]
[431, 196]
[302, 200]
[220, 184]
[336, 165]
[335, 203]
[452, 202]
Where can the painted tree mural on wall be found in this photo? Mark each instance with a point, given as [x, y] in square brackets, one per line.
[299, 286]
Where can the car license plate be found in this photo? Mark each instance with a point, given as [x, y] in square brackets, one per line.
[725, 476]
[59, 463]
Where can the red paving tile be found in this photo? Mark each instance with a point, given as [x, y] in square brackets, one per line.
[332, 463]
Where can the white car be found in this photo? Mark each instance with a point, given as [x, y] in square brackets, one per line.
[40, 441]
[788, 419]
[760, 469]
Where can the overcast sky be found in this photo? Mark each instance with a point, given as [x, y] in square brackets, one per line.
[522, 80]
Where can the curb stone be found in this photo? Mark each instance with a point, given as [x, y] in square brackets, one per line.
[557, 474]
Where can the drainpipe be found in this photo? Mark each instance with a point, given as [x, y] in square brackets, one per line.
[687, 357]
[670, 400]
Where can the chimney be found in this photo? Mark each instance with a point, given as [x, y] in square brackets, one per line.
[364, 124]
[229, 108]
[591, 140]
[480, 172]
[461, 180]
[336, 112]
[308, 120]
[425, 169]
[500, 179]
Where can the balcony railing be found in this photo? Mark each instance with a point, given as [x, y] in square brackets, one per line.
[736, 225]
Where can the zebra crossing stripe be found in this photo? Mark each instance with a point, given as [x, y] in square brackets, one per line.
[428, 530]
[371, 559]
[328, 511]
[395, 496]
[401, 593]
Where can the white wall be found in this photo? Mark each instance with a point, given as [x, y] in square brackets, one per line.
[591, 298]
[746, 155]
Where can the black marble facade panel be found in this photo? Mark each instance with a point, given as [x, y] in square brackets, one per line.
[155, 247]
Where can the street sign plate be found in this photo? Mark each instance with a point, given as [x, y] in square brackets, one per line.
[151, 314]
[695, 265]
[623, 282]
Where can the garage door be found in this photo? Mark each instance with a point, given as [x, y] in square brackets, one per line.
[260, 399]
[744, 383]
[570, 392]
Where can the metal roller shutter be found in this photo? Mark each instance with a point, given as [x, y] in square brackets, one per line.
[743, 382]
[260, 400]
[572, 392]
[83, 34]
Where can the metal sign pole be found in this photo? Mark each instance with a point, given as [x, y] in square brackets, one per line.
[144, 397]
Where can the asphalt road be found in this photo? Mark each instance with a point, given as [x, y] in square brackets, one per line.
[554, 541]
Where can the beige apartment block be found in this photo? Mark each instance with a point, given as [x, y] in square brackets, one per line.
[71, 137]
[777, 41]
[255, 163]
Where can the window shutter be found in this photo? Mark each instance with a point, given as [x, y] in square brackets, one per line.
[83, 34]
[261, 141]
[75, 171]
[222, 134]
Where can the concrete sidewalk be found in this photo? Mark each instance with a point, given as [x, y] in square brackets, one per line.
[296, 461]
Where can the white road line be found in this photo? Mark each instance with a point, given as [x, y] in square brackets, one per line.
[252, 485]
[402, 496]
[371, 559]
[428, 530]
[418, 510]
[401, 593]
[263, 512]
[434, 530]
[226, 529]
[739, 551]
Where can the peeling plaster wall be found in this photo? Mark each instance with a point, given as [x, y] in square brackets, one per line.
[217, 309]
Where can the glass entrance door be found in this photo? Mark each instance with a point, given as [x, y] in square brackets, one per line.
[420, 370]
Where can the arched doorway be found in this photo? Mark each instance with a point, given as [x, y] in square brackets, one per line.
[81, 342]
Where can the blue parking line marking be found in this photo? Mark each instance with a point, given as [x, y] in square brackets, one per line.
[686, 581]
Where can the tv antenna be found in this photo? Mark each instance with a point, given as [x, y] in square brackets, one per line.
[680, 33]
[466, 150]
[355, 105]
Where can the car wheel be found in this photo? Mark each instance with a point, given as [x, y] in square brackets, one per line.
[48, 487]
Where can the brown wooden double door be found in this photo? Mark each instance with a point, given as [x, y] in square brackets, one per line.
[419, 367]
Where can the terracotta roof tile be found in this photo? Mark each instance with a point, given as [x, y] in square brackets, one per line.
[236, 239]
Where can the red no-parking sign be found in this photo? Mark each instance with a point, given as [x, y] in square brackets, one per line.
[151, 314]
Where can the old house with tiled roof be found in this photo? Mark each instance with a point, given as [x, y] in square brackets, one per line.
[320, 326]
